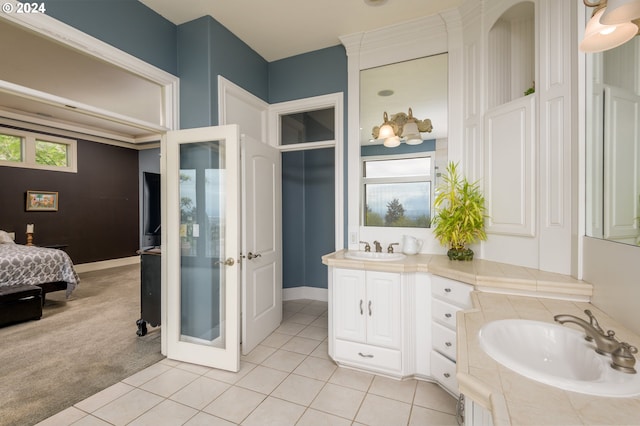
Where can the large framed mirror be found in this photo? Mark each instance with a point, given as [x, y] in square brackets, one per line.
[397, 183]
[613, 144]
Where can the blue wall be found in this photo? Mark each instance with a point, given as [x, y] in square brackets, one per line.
[206, 49]
[308, 177]
[126, 24]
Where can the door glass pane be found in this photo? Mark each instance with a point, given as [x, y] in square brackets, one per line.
[202, 219]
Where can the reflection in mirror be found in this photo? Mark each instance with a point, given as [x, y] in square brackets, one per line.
[398, 180]
[613, 144]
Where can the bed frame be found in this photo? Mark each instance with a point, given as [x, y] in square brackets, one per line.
[50, 287]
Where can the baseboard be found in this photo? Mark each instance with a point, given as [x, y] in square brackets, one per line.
[305, 292]
[106, 264]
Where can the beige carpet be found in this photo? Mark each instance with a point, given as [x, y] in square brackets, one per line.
[79, 347]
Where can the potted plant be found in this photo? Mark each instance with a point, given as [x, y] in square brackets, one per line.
[460, 213]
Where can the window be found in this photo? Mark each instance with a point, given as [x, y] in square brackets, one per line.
[397, 191]
[307, 126]
[35, 151]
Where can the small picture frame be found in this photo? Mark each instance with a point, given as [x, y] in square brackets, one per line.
[42, 201]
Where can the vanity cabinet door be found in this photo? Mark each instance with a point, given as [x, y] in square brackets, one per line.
[383, 309]
[349, 301]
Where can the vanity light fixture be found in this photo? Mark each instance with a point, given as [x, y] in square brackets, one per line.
[401, 125]
[610, 25]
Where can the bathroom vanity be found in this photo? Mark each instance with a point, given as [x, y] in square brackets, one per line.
[419, 317]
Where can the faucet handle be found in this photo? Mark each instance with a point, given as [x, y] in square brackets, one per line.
[622, 358]
[367, 247]
[390, 248]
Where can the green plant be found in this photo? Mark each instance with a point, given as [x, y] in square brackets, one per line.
[460, 213]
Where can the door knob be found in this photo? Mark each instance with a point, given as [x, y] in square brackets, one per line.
[228, 262]
[253, 256]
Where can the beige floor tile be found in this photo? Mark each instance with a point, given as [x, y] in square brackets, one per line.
[338, 400]
[276, 340]
[88, 421]
[258, 354]
[301, 318]
[322, 351]
[199, 393]
[229, 376]
[293, 305]
[315, 333]
[104, 397]
[301, 345]
[313, 417]
[167, 413]
[194, 368]
[64, 417]
[321, 322]
[235, 404]
[275, 412]
[128, 407]
[169, 382]
[379, 411]
[204, 419]
[284, 360]
[430, 395]
[400, 390]
[298, 389]
[291, 328]
[423, 416]
[262, 379]
[316, 368]
[313, 310]
[147, 374]
[351, 379]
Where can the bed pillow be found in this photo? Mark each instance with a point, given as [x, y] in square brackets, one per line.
[5, 238]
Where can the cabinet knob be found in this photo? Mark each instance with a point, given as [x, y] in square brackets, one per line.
[447, 290]
[448, 344]
[447, 315]
[447, 375]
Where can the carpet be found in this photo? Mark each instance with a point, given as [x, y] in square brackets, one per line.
[79, 347]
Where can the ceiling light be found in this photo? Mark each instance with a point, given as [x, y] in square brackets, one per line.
[401, 125]
[599, 37]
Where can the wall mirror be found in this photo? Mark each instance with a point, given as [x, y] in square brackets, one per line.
[397, 183]
[613, 144]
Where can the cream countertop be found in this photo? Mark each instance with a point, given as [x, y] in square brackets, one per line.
[516, 400]
[483, 274]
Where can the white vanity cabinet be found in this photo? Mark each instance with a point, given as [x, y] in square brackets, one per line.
[366, 320]
[448, 297]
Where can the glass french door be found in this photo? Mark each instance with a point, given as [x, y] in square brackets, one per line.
[202, 246]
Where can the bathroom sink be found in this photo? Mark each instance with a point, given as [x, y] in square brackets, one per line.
[369, 255]
[555, 355]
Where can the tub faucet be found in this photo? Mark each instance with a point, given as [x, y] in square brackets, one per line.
[605, 343]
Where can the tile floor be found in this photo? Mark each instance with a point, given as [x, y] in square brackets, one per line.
[286, 380]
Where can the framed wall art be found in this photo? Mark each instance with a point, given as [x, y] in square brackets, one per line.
[42, 201]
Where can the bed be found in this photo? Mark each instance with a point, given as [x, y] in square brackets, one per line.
[47, 268]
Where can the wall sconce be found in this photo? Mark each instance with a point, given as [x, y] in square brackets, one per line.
[610, 25]
[401, 125]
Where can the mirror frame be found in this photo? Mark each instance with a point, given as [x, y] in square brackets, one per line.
[426, 36]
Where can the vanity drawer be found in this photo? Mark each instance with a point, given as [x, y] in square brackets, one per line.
[444, 313]
[368, 356]
[452, 291]
[444, 371]
[444, 340]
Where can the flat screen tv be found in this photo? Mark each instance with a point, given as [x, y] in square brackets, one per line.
[151, 208]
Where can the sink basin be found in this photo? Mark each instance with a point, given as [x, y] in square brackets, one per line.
[369, 255]
[555, 355]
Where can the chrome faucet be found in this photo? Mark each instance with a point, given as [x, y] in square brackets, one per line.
[605, 343]
[378, 246]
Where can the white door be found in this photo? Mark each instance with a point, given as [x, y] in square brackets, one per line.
[261, 242]
[202, 246]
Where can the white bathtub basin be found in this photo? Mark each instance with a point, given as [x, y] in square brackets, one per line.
[370, 255]
[555, 355]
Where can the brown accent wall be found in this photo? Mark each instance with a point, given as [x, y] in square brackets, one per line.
[98, 214]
